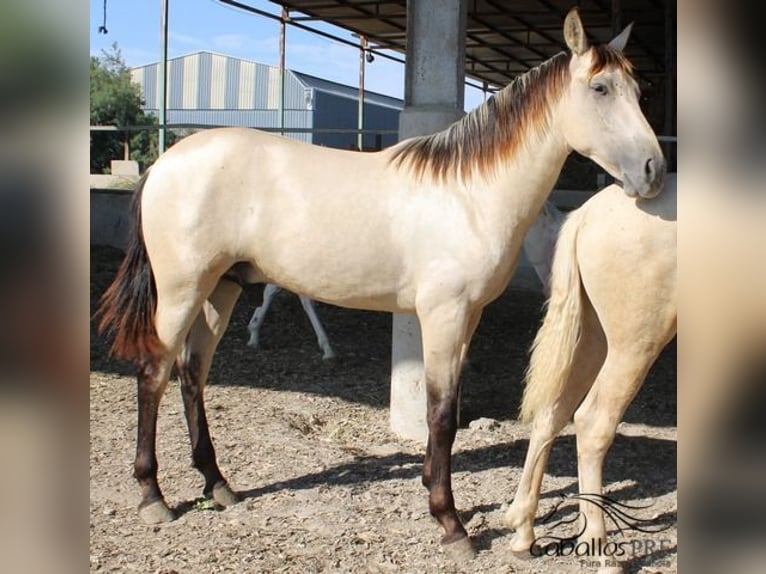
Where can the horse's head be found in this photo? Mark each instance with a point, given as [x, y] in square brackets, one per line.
[601, 117]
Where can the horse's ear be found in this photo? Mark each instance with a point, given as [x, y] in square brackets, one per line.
[574, 33]
[621, 39]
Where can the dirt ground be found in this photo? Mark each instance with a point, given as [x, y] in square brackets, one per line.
[326, 486]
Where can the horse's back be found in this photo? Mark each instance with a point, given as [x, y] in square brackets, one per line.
[637, 230]
[235, 194]
[626, 251]
[335, 225]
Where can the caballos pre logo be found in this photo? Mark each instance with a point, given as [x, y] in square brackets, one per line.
[624, 516]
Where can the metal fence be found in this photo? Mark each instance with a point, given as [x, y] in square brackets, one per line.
[188, 128]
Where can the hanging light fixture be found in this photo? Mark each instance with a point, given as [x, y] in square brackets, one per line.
[102, 29]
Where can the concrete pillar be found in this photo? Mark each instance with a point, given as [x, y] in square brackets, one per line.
[433, 99]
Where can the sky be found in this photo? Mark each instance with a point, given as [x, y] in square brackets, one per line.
[194, 25]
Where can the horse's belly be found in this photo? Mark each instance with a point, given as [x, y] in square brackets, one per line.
[352, 274]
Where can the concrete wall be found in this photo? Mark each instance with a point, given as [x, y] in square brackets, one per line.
[110, 220]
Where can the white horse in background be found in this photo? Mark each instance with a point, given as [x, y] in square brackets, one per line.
[539, 243]
[259, 315]
[611, 312]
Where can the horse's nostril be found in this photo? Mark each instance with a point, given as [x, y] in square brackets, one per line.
[649, 169]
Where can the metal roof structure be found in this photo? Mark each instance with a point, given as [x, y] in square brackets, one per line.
[506, 38]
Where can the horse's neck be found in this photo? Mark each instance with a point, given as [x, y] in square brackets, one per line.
[519, 189]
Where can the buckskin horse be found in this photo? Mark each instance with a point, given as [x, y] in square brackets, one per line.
[435, 230]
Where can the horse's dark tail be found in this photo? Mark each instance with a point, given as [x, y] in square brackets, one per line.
[126, 310]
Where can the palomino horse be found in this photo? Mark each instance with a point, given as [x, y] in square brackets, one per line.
[612, 310]
[435, 230]
[259, 315]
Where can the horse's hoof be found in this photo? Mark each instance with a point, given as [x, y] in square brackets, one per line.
[521, 548]
[525, 554]
[460, 551]
[224, 495]
[156, 512]
[328, 356]
[252, 343]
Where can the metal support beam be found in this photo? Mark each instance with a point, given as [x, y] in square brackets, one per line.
[292, 22]
[670, 79]
[163, 74]
[281, 104]
[360, 114]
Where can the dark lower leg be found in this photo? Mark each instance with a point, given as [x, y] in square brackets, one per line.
[442, 424]
[193, 366]
[203, 453]
[145, 467]
[426, 477]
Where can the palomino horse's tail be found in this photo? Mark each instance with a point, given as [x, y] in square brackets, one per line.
[554, 346]
[126, 309]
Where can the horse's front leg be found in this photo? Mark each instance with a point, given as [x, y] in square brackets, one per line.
[444, 329]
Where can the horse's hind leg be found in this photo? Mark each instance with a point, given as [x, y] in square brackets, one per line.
[322, 339]
[596, 421]
[152, 380]
[588, 358]
[176, 309]
[193, 367]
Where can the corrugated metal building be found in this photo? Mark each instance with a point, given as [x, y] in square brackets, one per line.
[210, 89]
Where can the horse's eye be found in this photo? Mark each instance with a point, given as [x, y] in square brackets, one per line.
[600, 89]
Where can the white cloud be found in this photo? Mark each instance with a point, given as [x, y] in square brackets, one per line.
[245, 45]
[185, 39]
[135, 57]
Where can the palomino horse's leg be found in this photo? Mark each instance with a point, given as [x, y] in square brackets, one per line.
[444, 328]
[322, 339]
[596, 421]
[175, 312]
[473, 323]
[588, 358]
[152, 380]
[193, 366]
[259, 315]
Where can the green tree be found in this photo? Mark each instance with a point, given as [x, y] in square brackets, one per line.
[115, 100]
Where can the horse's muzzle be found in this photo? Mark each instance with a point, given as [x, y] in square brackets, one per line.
[648, 181]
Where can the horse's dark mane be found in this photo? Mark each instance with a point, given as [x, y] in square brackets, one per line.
[492, 132]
